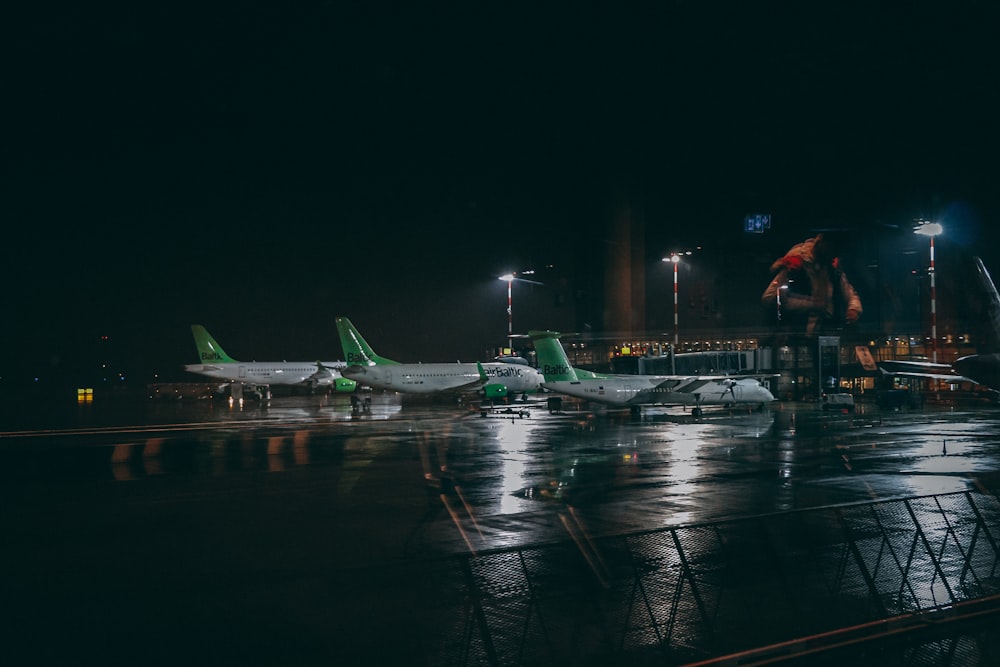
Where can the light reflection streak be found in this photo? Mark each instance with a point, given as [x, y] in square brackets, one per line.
[941, 464]
[785, 498]
[682, 457]
[513, 437]
[468, 510]
[458, 523]
[935, 484]
[581, 536]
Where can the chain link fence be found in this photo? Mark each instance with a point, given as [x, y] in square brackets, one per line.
[888, 582]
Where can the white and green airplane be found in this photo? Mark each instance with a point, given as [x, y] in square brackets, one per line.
[634, 391]
[491, 380]
[216, 364]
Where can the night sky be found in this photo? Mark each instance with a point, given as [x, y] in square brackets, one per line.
[261, 168]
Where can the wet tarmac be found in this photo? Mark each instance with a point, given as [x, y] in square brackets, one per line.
[152, 532]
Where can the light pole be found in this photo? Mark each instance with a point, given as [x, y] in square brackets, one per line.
[931, 229]
[509, 277]
[675, 259]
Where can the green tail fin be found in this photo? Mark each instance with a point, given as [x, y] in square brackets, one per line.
[208, 350]
[357, 351]
[552, 360]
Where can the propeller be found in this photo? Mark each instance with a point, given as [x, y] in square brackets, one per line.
[729, 387]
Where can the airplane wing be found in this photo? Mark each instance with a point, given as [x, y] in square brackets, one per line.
[471, 385]
[947, 377]
[324, 375]
[680, 385]
[921, 369]
[689, 384]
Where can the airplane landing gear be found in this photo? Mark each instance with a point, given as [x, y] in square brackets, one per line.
[359, 405]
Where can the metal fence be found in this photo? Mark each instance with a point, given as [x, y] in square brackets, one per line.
[890, 574]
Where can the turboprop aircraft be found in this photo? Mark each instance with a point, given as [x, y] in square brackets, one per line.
[260, 375]
[634, 391]
[491, 380]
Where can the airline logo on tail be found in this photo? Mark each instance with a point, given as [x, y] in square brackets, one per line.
[555, 369]
[208, 349]
[357, 358]
[357, 351]
[552, 360]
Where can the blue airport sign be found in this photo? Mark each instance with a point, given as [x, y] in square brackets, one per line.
[757, 223]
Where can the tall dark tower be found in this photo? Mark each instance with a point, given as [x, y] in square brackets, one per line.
[625, 276]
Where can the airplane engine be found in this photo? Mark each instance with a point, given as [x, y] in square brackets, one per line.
[344, 385]
[494, 391]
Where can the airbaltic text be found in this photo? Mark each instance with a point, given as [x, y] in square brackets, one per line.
[505, 372]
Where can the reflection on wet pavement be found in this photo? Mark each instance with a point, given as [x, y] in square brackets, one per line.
[308, 487]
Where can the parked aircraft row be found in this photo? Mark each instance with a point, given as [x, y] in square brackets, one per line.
[501, 379]
[490, 380]
[260, 375]
[487, 380]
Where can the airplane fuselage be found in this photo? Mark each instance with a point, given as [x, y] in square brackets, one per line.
[650, 390]
[271, 373]
[438, 377]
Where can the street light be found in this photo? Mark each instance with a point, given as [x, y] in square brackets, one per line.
[931, 229]
[510, 278]
[675, 259]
